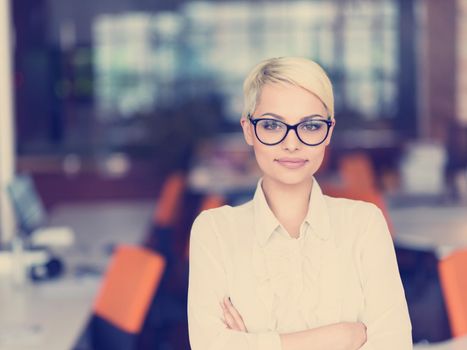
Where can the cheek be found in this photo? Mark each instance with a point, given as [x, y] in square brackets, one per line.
[319, 158]
[318, 153]
[264, 154]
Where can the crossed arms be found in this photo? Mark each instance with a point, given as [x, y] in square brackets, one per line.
[338, 336]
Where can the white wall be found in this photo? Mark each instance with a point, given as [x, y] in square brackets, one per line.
[7, 157]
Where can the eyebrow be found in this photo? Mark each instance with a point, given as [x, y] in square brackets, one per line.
[312, 116]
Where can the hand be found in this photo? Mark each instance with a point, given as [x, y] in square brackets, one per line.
[232, 318]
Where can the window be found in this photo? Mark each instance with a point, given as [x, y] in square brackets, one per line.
[107, 81]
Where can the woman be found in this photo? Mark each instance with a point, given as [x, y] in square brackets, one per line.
[292, 268]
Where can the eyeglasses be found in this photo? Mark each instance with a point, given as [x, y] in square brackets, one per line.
[311, 132]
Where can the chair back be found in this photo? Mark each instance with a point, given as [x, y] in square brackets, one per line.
[357, 171]
[128, 287]
[453, 277]
[170, 200]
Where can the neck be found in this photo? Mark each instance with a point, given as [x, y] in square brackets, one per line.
[287, 202]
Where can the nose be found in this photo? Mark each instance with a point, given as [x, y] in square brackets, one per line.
[291, 141]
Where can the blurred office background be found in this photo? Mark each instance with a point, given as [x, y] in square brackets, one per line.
[108, 92]
[120, 104]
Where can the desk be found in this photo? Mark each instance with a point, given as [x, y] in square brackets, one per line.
[440, 229]
[47, 316]
[452, 344]
[52, 315]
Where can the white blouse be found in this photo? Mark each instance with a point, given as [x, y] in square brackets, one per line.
[342, 267]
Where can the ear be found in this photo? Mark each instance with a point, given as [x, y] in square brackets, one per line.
[247, 130]
[331, 129]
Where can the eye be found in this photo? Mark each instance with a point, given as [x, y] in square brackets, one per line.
[271, 125]
[312, 125]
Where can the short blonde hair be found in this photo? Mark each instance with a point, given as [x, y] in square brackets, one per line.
[298, 71]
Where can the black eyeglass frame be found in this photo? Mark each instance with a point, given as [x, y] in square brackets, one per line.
[329, 122]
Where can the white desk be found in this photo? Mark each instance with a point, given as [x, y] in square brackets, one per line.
[44, 317]
[52, 315]
[440, 229]
[452, 344]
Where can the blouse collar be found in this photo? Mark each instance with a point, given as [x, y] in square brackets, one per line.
[266, 222]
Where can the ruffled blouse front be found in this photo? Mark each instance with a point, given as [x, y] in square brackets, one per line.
[286, 279]
[288, 270]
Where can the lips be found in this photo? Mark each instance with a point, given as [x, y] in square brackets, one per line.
[291, 163]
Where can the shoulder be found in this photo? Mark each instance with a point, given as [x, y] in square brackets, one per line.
[222, 219]
[225, 213]
[345, 208]
[354, 219]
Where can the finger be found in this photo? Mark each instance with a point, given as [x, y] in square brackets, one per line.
[223, 315]
[223, 319]
[227, 319]
[225, 323]
[235, 314]
[230, 320]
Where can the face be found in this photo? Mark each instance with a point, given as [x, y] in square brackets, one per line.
[290, 162]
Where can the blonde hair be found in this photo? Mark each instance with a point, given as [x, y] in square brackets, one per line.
[297, 71]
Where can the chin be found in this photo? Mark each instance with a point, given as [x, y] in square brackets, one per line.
[290, 179]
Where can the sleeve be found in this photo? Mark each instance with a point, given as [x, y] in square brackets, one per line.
[207, 287]
[385, 312]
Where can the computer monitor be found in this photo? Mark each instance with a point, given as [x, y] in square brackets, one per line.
[28, 207]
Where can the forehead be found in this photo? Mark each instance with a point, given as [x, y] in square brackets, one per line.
[289, 101]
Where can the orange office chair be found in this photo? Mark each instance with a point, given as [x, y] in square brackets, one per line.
[357, 171]
[170, 200]
[453, 278]
[126, 292]
[166, 214]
